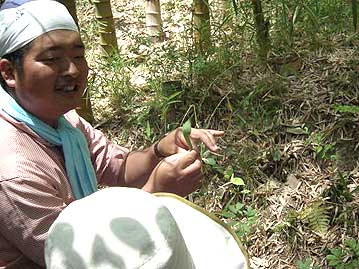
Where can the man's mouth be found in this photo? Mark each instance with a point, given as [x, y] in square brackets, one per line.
[68, 88]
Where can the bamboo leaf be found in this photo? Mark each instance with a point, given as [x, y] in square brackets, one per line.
[186, 130]
[148, 130]
[296, 13]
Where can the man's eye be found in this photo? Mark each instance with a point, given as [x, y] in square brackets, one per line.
[51, 59]
[80, 57]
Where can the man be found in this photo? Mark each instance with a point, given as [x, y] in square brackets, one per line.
[49, 155]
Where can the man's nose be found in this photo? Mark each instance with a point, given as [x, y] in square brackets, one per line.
[70, 68]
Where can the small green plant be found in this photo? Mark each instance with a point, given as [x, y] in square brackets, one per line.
[306, 264]
[316, 217]
[211, 162]
[325, 152]
[238, 181]
[235, 180]
[149, 134]
[246, 214]
[345, 258]
[339, 192]
[322, 150]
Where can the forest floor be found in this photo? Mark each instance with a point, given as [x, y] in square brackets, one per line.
[287, 175]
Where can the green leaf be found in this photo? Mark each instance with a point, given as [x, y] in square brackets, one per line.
[334, 263]
[210, 161]
[251, 212]
[148, 130]
[232, 208]
[351, 243]
[239, 206]
[228, 172]
[245, 228]
[304, 264]
[295, 15]
[331, 257]
[228, 214]
[237, 181]
[336, 252]
[186, 130]
[347, 109]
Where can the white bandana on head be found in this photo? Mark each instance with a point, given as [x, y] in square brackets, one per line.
[21, 25]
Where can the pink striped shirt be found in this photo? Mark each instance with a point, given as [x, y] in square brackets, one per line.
[34, 187]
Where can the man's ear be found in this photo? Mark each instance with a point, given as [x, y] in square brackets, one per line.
[7, 71]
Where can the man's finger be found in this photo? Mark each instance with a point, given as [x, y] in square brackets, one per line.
[187, 159]
[193, 170]
[215, 132]
[208, 137]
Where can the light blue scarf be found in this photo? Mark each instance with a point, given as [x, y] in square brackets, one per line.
[78, 164]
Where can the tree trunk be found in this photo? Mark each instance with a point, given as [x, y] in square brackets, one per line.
[85, 108]
[106, 26]
[202, 25]
[262, 28]
[154, 20]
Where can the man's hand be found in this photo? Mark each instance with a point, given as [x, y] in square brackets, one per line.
[179, 173]
[175, 142]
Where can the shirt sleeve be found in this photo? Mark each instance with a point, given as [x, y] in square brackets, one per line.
[107, 158]
[28, 208]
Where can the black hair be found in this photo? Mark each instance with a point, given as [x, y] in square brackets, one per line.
[17, 59]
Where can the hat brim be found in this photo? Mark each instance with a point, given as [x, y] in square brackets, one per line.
[211, 242]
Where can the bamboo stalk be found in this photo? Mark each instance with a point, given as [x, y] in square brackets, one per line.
[154, 20]
[202, 25]
[262, 28]
[85, 108]
[108, 40]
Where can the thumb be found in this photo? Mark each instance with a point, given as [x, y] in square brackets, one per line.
[187, 158]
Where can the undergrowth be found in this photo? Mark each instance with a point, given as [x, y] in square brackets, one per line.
[287, 177]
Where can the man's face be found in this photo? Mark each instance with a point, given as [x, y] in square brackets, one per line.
[54, 75]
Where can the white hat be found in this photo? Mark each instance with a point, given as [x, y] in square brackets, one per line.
[129, 228]
[19, 25]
